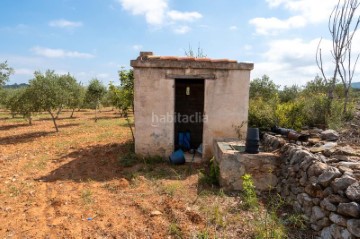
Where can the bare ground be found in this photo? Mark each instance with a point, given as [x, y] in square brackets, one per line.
[71, 185]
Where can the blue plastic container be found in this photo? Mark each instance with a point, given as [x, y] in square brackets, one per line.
[177, 157]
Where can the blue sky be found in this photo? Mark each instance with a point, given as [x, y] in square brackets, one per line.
[95, 38]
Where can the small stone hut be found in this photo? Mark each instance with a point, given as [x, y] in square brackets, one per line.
[203, 96]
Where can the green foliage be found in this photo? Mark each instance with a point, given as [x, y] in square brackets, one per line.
[294, 107]
[5, 72]
[20, 101]
[214, 171]
[249, 194]
[263, 88]
[290, 114]
[289, 93]
[94, 93]
[72, 91]
[46, 90]
[128, 160]
[175, 230]
[262, 113]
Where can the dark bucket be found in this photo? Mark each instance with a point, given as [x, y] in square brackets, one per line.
[252, 141]
[177, 157]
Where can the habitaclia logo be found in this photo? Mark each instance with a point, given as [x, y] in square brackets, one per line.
[197, 117]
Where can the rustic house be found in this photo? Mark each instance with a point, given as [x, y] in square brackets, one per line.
[202, 96]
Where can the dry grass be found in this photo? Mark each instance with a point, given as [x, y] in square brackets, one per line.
[83, 182]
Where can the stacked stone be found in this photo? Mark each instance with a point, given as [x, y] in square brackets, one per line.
[325, 190]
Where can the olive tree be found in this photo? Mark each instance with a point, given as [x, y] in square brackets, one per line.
[94, 93]
[5, 72]
[72, 94]
[46, 93]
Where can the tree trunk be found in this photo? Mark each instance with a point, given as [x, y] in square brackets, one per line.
[54, 120]
[72, 113]
[95, 114]
[59, 111]
[129, 124]
[346, 100]
[30, 119]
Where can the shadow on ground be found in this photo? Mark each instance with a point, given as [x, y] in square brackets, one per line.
[101, 163]
[23, 138]
[13, 126]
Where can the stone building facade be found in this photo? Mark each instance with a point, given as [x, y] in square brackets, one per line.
[206, 97]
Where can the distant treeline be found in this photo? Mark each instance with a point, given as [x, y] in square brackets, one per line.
[16, 86]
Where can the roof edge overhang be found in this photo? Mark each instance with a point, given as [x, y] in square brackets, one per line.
[148, 60]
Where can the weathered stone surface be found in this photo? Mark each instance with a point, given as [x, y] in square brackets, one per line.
[323, 222]
[341, 184]
[353, 225]
[328, 146]
[316, 169]
[328, 175]
[338, 232]
[346, 150]
[334, 198]
[262, 167]
[317, 213]
[326, 233]
[353, 192]
[337, 219]
[329, 135]
[327, 205]
[314, 190]
[351, 209]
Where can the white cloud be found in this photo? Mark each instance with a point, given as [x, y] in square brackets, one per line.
[313, 10]
[182, 29]
[154, 10]
[157, 13]
[271, 26]
[59, 53]
[233, 28]
[292, 59]
[137, 47]
[183, 16]
[62, 23]
[303, 12]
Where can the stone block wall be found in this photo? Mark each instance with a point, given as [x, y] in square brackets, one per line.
[325, 189]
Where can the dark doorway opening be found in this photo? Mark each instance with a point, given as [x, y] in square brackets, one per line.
[189, 110]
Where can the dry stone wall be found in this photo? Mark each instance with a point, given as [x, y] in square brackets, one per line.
[325, 189]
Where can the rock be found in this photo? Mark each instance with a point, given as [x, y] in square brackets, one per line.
[334, 198]
[353, 225]
[341, 184]
[326, 233]
[328, 175]
[346, 150]
[337, 219]
[329, 135]
[323, 222]
[339, 232]
[351, 165]
[353, 192]
[325, 204]
[314, 190]
[330, 146]
[316, 169]
[155, 213]
[351, 209]
[317, 214]
[328, 191]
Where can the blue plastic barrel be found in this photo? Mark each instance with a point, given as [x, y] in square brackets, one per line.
[177, 157]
